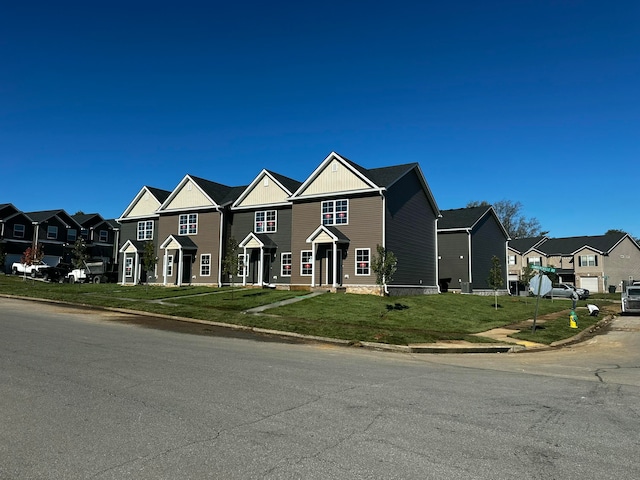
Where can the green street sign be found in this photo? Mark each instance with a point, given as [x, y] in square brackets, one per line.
[544, 269]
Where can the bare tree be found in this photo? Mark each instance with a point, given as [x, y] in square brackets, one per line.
[511, 217]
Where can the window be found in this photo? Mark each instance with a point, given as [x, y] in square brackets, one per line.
[72, 235]
[363, 261]
[534, 261]
[242, 265]
[169, 265]
[335, 212]
[104, 236]
[128, 267]
[512, 259]
[18, 231]
[285, 269]
[306, 267]
[205, 264]
[188, 224]
[52, 232]
[266, 222]
[84, 233]
[588, 260]
[145, 230]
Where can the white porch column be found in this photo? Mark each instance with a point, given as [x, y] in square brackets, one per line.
[164, 268]
[124, 269]
[180, 267]
[261, 266]
[245, 267]
[313, 264]
[136, 269]
[335, 264]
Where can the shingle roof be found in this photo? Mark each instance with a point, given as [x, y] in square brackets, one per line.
[570, 245]
[161, 195]
[461, 217]
[524, 244]
[288, 183]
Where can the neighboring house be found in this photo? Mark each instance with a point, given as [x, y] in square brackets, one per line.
[516, 260]
[591, 262]
[55, 231]
[15, 234]
[101, 236]
[191, 231]
[138, 224]
[342, 212]
[468, 239]
[261, 224]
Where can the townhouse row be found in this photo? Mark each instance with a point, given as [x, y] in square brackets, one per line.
[55, 231]
[322, 232]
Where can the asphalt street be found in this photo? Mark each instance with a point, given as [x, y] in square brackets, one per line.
[85, 395]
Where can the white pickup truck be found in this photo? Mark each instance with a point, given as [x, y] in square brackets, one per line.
[33, 270]
[631, 299]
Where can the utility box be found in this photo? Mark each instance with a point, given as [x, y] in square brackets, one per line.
[465, 287]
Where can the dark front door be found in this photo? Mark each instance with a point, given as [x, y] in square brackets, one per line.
[186, 269]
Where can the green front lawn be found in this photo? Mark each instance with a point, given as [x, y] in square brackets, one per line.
[394, 320]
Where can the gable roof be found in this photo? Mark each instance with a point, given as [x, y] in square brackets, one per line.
[83, 218]
[461, 218]
[7, 210]
[377, 179]
[217, 193]
[570, 245]
[46, 215]
[285, 184]
[158, 194]
[522, 245]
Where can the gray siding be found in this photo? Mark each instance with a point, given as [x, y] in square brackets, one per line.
[411, 232]
[453, 253]
[487, 240]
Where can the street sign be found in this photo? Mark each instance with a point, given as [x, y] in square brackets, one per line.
[543, 269]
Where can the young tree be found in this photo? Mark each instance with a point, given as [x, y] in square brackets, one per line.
[79, 253]
[149, 259]
[495, 277]
[32, 256]
[3, 257]
[512, 219]
[384, 264]
[230, 262]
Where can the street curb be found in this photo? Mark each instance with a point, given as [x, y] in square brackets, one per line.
[417, 349]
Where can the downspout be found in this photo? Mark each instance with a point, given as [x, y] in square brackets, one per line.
[437, 254]
[470, 271]
[220, 248]
[384, 234]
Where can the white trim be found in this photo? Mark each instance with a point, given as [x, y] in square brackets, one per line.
[202, 264]
[282, 264]
[310, 261]
[368, 263]
[188, 224]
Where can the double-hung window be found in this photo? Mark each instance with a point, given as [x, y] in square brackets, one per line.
[145, 230]
[306, 267]
[188, 224]
[588, 260]
[363, 261]
[72, 235]
[534, 261]
[512, 259]
[103, 235]
[266, 221]
[18, 231]
[335, 212]
[52, 232]
[84, 233]
[285, 269]
[205, 264]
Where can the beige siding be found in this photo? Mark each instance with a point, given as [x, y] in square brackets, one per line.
[144, 207]
[622, 263]
[265, 192]
[189, 196]
[335, 178]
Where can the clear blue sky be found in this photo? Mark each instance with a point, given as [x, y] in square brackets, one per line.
[531, 101]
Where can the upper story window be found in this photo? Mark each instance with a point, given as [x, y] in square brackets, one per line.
[534, 261]
[72, 235]
[145, 230]
[52, 232]
[188, 224]
[335, 212]
[18, 231]
[84, 233]
[588, 260]
[103, 235]
[266, 222]
[512, 259]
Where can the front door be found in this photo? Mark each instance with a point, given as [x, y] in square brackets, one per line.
[186, 269]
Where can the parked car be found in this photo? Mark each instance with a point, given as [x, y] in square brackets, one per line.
[561, 290]
[631, 299]
[57, 273]
[582, 292]
[34, 270]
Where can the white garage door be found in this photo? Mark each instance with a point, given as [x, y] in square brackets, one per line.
[590, 283]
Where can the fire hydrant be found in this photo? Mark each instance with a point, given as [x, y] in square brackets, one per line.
[573, 320]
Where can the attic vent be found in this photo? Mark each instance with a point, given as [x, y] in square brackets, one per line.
[189, 186]
[334, 167]
[265, 182]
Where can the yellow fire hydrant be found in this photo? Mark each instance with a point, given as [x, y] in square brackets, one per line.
[573, 320]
